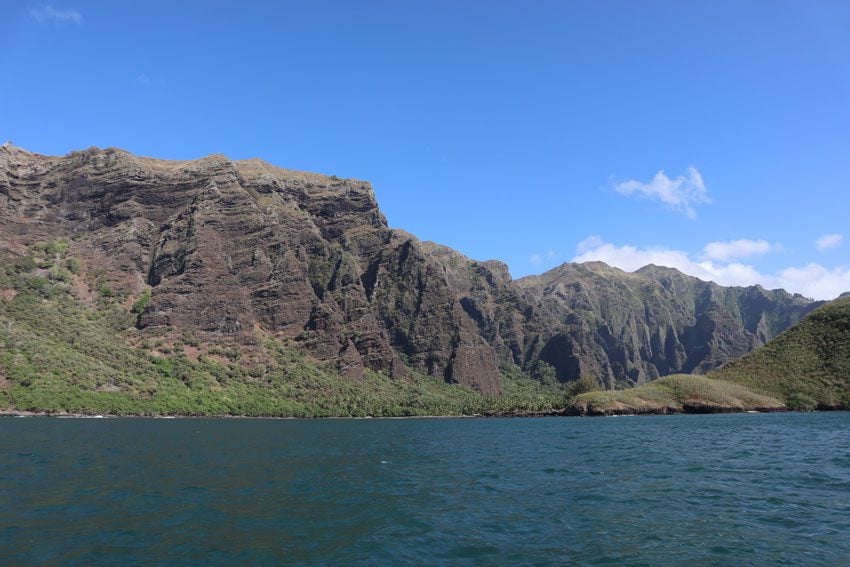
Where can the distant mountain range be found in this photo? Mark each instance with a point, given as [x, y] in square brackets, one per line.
[805, 368]
[237, 253]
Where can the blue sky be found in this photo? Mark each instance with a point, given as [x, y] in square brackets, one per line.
[710, 136]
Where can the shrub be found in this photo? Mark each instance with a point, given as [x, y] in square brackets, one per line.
[73, 265]
[800, 402]
[25, 265]
[105, 291]
[543, 372]
[57, 274]
[586, 383]
[141, 303]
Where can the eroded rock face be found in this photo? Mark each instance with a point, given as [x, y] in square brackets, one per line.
[228, 248]
[635, 327]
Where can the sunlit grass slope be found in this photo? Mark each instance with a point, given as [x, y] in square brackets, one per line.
[674, 394]
[808, 365]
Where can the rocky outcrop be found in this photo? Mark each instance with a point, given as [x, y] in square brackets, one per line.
[232, 248]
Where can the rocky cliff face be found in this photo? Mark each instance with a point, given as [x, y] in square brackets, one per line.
[635, 327]
[231, 248]
[227, 247]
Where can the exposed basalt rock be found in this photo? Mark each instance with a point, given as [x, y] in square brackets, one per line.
[635, 327]
[228, 248]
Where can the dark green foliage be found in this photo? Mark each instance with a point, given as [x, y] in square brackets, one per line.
[801, 402]
[140, 304]
[25, 264]
[543, 372]
[523, 393]
[586, 383]
[105, 291]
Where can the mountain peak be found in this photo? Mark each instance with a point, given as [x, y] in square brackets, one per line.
[655, 270]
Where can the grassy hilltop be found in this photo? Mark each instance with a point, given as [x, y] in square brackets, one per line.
[675, 394]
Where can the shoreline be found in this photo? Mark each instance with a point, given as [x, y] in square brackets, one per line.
[10, 413]
[77, 415]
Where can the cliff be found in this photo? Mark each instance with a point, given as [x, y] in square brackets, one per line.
[635, 327]
[237, 251]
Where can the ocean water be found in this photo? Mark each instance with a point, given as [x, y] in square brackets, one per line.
[703, 489]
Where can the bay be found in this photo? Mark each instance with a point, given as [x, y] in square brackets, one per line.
[705, 489]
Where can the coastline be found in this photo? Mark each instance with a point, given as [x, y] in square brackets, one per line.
[10, 413]
[691, 410]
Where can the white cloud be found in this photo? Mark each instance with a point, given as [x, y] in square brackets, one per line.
[737, 249]
[630, 258]
[589, 243]
[46, 14]
[536, 258]
[812, 280]
[828, 241]
[680, 194]
[815, 281]
[143, 79]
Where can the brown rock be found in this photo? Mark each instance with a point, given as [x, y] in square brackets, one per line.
[230, 249]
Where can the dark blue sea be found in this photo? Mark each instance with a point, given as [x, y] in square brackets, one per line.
[766, 489]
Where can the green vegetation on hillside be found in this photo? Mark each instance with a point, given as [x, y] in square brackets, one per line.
[808, 365]
[61, 354]
[64, 348]
[674, 394]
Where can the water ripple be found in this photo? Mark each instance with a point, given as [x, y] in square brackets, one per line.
[728, 490]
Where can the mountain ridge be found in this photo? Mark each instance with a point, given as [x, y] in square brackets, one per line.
[232, 248]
